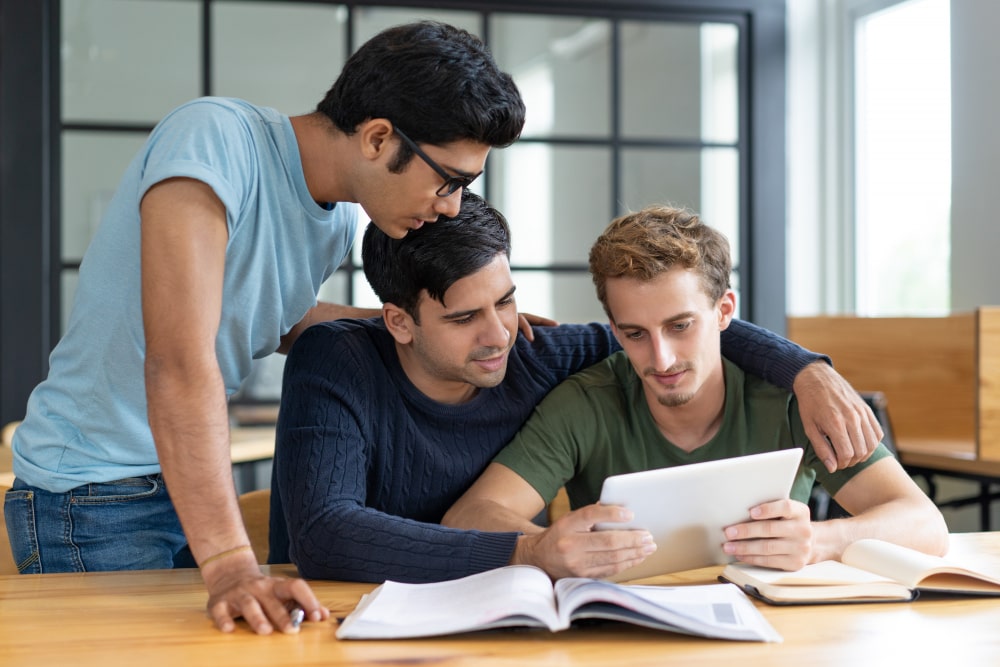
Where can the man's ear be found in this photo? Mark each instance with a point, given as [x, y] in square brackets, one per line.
[398, 322]
[727, 309]
[373, 135]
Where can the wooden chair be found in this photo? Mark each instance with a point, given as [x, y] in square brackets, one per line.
[7, 564]
[7, 434]
[256, 509]
[558, 506]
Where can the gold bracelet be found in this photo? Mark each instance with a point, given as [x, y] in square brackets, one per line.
[224, 554]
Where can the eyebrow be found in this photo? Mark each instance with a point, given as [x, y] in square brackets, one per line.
[679, 316]
[465, 313]
[462, 173]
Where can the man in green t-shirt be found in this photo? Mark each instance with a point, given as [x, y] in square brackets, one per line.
[669, 398]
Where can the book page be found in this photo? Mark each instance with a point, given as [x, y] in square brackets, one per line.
[508, 596]
[720, 611]
[913, 568]
[824, 573]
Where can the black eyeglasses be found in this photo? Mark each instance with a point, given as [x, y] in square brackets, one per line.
[451, 183]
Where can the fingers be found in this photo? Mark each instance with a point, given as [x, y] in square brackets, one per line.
[573, 547]
[264, 603]
[525, 327]
[779, 536]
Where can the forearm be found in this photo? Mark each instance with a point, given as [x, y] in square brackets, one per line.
[486, 515]
[362, 544]
[188, 418]
[910, 522]
[323, 312]
[765, 354]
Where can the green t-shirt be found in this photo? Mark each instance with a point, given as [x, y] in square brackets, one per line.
[597, 423]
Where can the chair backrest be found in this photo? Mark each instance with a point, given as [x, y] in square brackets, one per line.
[7, 564]
[256, 509]
[7, 434]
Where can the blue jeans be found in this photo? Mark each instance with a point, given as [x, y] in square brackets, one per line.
[128, 524]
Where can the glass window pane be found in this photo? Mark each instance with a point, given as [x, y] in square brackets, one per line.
[557, 200]
[68, 281]
[258, 52]
[562, 68]
[563, 296]
[705, 181]
[92, 165]
[129, 60]
[680, 81]
[369, 21]
[903, 160]
[364, 297]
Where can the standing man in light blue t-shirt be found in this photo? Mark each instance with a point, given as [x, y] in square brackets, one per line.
[211, 255]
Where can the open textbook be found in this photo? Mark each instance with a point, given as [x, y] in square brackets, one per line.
[869, 570]
[524, 596]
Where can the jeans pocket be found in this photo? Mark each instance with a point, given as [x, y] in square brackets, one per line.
[118, 491]
[19, 514]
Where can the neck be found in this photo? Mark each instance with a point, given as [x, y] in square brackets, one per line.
[323, 149]
[693, 424]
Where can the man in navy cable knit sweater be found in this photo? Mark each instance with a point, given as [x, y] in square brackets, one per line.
[386, 422]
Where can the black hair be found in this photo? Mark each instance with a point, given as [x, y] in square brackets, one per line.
[439, 83]
[434, 256]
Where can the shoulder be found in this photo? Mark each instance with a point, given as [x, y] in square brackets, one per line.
[604, 384]
[209, 121]
[753, 387]
[205, 109]
[568, 346]
[341, 340]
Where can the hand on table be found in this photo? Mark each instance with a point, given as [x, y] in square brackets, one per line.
[237, 588]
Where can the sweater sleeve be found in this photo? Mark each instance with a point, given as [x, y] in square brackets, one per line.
[765, 354]
[321, 475]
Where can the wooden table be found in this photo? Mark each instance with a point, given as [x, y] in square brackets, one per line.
[155, 618]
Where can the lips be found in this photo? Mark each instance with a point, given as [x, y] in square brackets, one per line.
[491, 365]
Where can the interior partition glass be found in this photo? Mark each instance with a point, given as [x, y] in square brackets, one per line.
[128, 60]
[562, 67]
[282, 55]
[679, 81]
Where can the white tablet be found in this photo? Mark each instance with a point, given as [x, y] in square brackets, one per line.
[685, 508]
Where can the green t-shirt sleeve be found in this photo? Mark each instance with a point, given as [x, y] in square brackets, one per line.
[549, 448]
[831, 482]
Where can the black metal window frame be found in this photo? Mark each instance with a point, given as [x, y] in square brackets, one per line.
[31, 127]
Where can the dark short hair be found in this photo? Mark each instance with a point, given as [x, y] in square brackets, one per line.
[645, 244]
[438, 83]
[435, 256]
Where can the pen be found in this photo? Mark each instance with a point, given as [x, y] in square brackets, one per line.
[298, 615]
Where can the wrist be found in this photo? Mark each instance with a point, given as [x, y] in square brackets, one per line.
[522, 551]
[234, 563]
[225, 553]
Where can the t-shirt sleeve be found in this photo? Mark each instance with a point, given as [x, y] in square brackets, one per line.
[767, 355]
[832, 482]
[549, 448]
[206, 141]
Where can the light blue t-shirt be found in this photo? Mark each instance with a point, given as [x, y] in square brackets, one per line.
[87, 421]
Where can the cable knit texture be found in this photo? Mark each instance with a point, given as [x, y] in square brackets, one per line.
[365, 465]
